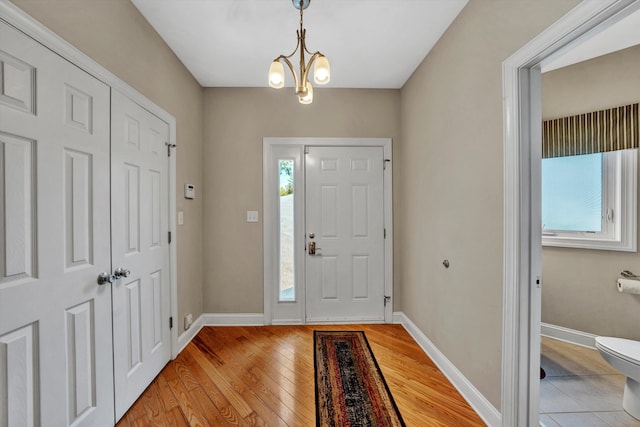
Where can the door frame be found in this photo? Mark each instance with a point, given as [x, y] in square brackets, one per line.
[522, 108]
[296, 146]
[16, 17]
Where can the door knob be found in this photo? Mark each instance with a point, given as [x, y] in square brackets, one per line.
[121, 272]
[105, 278]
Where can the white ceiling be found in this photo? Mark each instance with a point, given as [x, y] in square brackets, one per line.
[369, 43]
[623, 34]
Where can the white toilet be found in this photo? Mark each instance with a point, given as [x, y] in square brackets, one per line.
[624, 355]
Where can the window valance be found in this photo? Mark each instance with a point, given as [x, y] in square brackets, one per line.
[596, 132]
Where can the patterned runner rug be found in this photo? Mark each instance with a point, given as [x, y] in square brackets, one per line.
[350, 388]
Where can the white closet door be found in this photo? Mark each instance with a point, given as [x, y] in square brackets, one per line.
[139, 215]
[55, 320]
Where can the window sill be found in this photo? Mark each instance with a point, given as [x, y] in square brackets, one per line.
[590, 243]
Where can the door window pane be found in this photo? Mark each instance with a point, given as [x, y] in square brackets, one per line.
[572, 193]
[287, 270]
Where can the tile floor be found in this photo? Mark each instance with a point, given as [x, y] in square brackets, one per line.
[580, 389]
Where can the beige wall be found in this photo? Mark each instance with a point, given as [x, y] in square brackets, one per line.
[579, 289]
[447, 173]
[450, 179]
[235, 121]
[117, 36]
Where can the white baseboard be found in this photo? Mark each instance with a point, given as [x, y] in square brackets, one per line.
[568, 335]
[287, 322]
[218, 319]
[233, 319]
[186, 337]
[478, 402]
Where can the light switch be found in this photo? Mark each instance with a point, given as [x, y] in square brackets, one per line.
[180, 218]
[252, 216]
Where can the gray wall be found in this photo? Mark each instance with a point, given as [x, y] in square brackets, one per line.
[236, 120]
[579, 289]
[451, 184]
[117, 36]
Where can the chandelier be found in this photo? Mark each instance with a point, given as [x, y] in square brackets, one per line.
[321, 72]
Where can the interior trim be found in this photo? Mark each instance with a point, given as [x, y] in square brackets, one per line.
[571, 336]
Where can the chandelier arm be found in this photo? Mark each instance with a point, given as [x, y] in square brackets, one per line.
[293, 71]
[309, 52]
[294, 50]
[305, 76]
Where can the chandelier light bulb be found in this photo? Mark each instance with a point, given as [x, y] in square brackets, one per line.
[276, 75]
[322, 71]
[307, 98]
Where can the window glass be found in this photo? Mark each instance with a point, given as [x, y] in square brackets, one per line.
[572, 193]
[287, 270]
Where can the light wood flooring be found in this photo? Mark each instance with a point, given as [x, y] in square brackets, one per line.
[263, 375]
[581, 389]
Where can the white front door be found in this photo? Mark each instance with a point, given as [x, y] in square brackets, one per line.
[345, 220]
[140, 246]
[55, 320]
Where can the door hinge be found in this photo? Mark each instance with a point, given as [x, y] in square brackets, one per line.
[170, 322]
[385, 233]
[384, 164]
[306, 149]
[387, 299]
[169, 237]
[169, 147]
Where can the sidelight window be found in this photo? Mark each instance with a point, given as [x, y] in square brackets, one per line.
[286, 230]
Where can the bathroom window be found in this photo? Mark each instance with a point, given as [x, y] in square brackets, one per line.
[589, 201]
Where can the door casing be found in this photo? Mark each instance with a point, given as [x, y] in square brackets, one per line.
[522, 90]
[275, 148]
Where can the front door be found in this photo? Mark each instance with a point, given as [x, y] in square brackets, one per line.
[140, 248]
[55, 320]
[344, 234]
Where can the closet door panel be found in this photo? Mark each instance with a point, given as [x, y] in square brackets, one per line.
[140, 225]
[56, 348]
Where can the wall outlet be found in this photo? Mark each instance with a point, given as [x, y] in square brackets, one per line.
[188, 320]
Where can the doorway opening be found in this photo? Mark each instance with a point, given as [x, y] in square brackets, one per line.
[522, 200]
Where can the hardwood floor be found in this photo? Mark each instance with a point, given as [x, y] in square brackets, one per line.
[263, 376]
